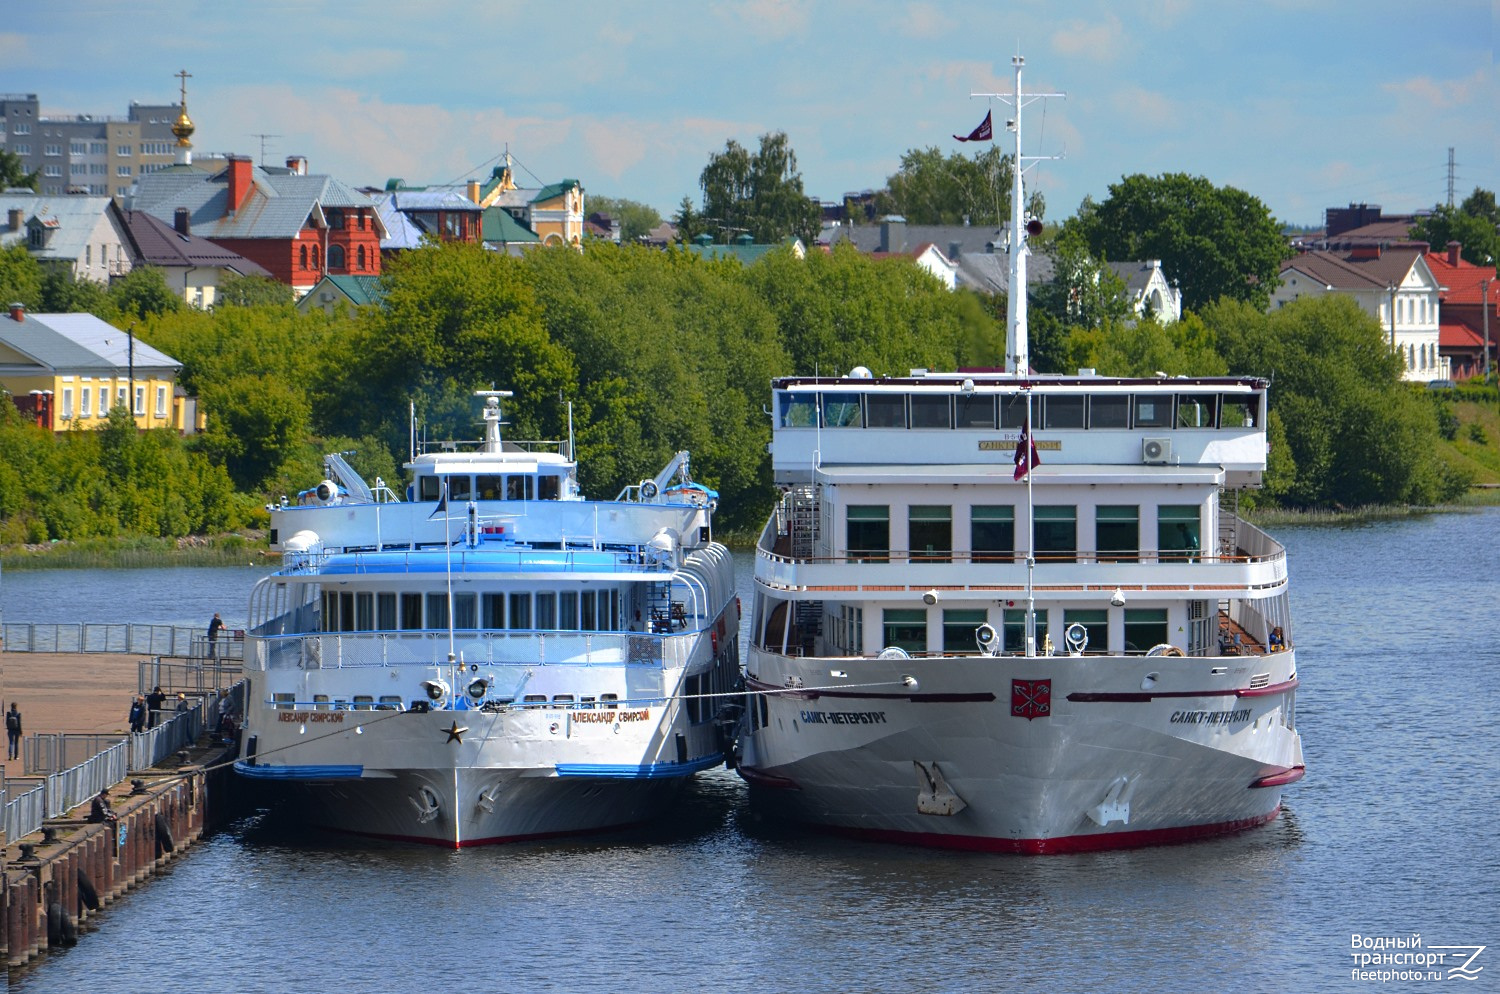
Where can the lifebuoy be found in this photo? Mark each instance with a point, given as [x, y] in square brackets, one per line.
[88, 895]
[164, 843]
[1165, 649]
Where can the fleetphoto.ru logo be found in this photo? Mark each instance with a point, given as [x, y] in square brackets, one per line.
[1387, 958]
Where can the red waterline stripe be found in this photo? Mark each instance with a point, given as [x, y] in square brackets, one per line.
[1142, 697]
[756, 778]
[1063, 844]
[1280, 779]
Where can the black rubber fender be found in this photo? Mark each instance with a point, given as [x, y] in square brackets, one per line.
[88, 894]
[69, 930]
[54, 924]
[164, 843]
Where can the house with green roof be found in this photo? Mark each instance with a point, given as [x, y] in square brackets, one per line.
[332, 292]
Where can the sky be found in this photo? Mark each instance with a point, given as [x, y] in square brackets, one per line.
[1305, 104]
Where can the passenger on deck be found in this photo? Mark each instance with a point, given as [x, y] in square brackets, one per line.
[1276, 641]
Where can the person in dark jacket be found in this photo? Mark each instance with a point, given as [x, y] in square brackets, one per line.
[154, 701]
[100, 810]
[13, 732]
[214, 627]
[138, 714]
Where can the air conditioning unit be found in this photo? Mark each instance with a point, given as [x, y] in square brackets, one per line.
[1156, 450]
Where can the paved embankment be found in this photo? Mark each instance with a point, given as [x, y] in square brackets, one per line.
[54, 881]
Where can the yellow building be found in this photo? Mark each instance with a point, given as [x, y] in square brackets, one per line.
[69, 370]
[554, 213]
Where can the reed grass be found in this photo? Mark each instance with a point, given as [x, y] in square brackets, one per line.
[139, 553]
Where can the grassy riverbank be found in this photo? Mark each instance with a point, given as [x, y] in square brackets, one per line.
[248, 549]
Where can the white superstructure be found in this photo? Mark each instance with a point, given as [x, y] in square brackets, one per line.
[493, 658]
[960, 640]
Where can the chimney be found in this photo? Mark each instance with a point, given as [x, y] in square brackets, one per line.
[1364, 252]
[14, 218]
[18, 311]
[893, 233]
[182, 222]
[474, 190]
[297, 164]
[1455, 249]
[239, 182]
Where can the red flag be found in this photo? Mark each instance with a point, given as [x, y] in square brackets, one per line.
[1026, 457]
[983, 133]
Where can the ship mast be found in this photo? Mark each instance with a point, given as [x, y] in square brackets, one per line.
[1017, 349]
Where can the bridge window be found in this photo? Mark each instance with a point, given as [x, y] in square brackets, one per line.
[975, 410]
[460, 487]
[548, 487]
[429, 488]
[958, 630]
[520, 488]
[488, 487]
[1056, 528]
[797, 412]
[841, 410]
[1117, 532]
[1013, 632]
[1064, 412]
[928, 411]
[1177, 530]
[869, 535]
[885, 410]
[1153, 412]
[1197, 410]
[1013, 410]
[906, 628]
[1145, 627]
[1095, 623]
[930, 532]
[1109, 411]
[1237, 411]
[992, 533]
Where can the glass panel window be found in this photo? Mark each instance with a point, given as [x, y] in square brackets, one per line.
[429, 488]
[364, 611]
[1237, 411]
[437, 610]
[974, 411]
[1144, 627]
[140, 400]
[992, 533]
[1178, 527]
[161, 402]
[1013, 410]
[460, 487]
[85, 399]
[905, 629]
[567, 610]
[1117, 531]
[841, 410]
[958, 630]
[520, 611]
[466, 611]
[1197, 410]
[1095, 623]
[67, 402]
[796, 412]
[1013, 634]
[928, 411]
[930, 532]
[1109, 411]
[519, 487]
[1056, 532]
[869, 531]
[385, 612]
[494, 611]
[1153, 411]
[588, 609]
[885, 410]
[488, 487]
[546, 611]
[1064, 412]
[411, 612]
[548, 487]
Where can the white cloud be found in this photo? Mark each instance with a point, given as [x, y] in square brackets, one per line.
[925, 20]
[1100, 40]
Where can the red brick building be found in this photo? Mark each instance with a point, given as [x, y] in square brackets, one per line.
[300, 227]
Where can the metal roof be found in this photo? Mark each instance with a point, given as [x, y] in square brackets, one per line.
[67, 342]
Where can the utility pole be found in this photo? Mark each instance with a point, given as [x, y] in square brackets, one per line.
[1486, 285]
[1450, 175]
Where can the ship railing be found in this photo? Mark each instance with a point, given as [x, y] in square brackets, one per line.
[558, 446]
[342, 650]
[158, 640]
[1052, 556]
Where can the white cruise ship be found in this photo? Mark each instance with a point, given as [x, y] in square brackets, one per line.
[493, 658]
[1015, 612]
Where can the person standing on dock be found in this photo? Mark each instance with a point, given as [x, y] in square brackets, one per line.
[13, 732]
[138, 714]
[214, 627]
[154, 701]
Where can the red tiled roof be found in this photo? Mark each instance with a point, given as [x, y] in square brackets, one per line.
[1452, 335]
[1464, 281]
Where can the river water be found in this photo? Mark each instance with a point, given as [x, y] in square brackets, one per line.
[1393, 832]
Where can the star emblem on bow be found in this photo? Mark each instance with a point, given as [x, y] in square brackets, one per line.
[455, 733]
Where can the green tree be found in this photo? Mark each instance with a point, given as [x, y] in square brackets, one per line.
[1083, 290]
[931, 188]
[688, 221]
[143, 291]
[12, 176]
[20, 278]
[636, 219]
[1217, 241]
[1357, 435]
[760, 194]
[1146, 347]
[1473, 224]
[65, 293]
[253, 291]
